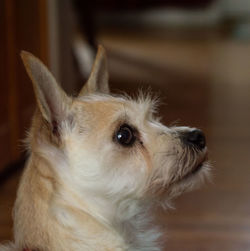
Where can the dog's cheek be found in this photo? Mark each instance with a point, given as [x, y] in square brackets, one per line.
[126, 173]
[165, 159]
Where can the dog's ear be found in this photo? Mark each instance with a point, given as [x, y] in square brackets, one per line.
[52, 100]
[98, 79]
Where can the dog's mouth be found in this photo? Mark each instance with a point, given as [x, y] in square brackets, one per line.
[197, 167]
[193, 171]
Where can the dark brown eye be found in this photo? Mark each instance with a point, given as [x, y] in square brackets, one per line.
[125, 135]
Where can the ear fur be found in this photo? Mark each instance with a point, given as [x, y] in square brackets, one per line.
[51, 99]
[98, 80]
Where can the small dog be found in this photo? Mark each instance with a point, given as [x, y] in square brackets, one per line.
[98, 166]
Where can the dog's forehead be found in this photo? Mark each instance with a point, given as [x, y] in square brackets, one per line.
[111, 107]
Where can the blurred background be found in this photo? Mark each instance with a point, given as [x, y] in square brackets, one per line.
[194, 54]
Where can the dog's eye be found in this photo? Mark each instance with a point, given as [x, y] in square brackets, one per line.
[125, 135]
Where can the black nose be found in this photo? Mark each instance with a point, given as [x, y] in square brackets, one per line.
[195, 138]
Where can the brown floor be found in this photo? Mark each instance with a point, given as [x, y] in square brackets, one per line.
[204, 83]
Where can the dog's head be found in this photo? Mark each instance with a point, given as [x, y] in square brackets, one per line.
[108, 146]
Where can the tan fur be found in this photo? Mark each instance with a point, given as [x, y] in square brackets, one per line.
[81, 189]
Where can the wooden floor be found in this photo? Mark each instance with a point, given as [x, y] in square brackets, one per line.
[204, 83]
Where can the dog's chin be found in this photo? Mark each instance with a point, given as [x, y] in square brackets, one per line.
[200, 171]
[196, 169]
[191, 180]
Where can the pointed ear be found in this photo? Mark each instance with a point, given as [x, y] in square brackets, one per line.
[98, 80]
[52, 100]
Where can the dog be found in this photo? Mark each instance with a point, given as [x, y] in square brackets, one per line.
[99, 164]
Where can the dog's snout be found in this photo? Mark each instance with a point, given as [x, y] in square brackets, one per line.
[195, 138]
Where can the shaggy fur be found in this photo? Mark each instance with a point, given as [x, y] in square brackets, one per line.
[81, 189]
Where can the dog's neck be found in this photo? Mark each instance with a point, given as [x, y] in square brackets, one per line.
[60, 209]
